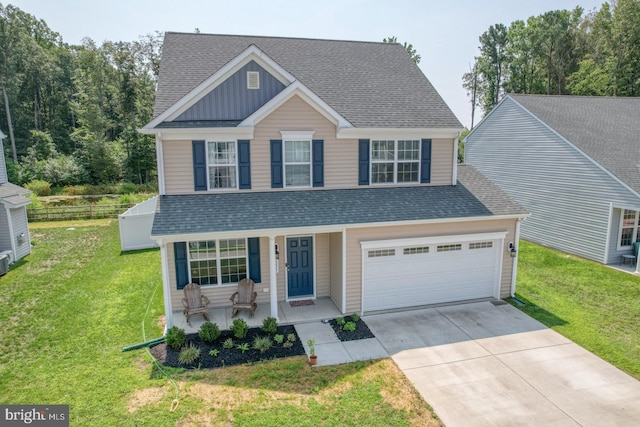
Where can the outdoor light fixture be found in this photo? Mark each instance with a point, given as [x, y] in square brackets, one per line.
[21, 238]
[512, 249]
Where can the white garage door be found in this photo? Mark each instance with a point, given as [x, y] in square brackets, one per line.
[413, 272]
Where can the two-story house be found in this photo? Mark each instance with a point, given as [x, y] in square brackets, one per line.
[320, 169]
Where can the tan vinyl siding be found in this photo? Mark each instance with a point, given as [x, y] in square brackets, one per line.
[323, 265]
[340, 155]
[335, 291]
[178, 167]
[357, 235]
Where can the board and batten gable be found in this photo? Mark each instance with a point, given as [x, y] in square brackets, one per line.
[340, 155]
[568, 195]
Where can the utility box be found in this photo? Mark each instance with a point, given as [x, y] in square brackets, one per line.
[4, 264]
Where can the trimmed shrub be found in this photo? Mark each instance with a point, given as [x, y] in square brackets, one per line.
[209, 332]
[270, 325]
[228, 343]
[262, 344]
[240, 328]
[39, 187]
[349, 327]
[278, 338]
[176, 337]
[355, 317]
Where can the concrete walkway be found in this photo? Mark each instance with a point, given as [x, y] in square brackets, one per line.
[492, 365]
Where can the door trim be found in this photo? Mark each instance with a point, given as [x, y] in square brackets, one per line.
[286, 275]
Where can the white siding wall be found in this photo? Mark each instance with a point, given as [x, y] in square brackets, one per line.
[567, 195]
[5, 236]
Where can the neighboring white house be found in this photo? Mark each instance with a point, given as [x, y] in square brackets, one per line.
[573, 162]
[14, 230]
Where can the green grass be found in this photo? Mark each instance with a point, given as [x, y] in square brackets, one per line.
[595, 306]
[69, 308]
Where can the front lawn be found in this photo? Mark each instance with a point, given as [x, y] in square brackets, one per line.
[69, 308]
[595, 306]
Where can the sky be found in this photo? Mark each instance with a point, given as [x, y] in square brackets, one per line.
[445, 33]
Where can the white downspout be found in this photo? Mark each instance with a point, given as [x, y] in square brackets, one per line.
[13, 238]
[514, 265]
[454, 175]
[273, 281]
[166, 286]
[343, 309]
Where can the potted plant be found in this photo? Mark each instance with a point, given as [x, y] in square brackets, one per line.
[313, 357]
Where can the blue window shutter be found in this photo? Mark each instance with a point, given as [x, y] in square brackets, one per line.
[276, 163]
[254, 258]
[363, 162]
[318, 162]
[199, 166]
[244, 165]
[425, 161]
[182, 269]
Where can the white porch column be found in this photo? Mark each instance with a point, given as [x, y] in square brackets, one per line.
[166, 286]
[273, 281]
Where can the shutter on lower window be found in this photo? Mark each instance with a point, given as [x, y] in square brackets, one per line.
[199, 166]
[182, 268]
[276, 163]
[425, 161]
[363, 162]
[244, 165]
[254, 258]
[318, 162]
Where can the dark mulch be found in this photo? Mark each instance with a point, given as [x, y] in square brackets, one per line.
[228, 357]
[362, 330]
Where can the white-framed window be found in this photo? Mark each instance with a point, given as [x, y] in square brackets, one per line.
[629, 228]
[449, 248]
[395, 161]
[381, 252]
[416, 250]
[480, 245]
[297, 162]
[222, 164]
[217, 262]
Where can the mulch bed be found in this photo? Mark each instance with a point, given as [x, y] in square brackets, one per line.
[228, 357]
[362, 330]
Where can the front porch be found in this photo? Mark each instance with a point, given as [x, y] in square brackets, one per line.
[323, 308]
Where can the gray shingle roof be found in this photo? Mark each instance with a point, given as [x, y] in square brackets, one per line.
[209, 213]
[605, 128]
[14, 194]
[370, 84]
[488, 193]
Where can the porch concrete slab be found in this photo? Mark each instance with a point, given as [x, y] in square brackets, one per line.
[366, 349]
[322, 308]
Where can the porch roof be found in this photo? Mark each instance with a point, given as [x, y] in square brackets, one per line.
[226, 212]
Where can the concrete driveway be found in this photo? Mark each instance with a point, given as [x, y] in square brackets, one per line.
[482, 364]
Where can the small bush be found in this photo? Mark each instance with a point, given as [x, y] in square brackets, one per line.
[73, 190]
[228, 343]
[209, 332]
[270, 325]
[278, 338]
[243, 347]
[189, 354]
[240, 328]
[176, 337]
[349, 327]
[127, 188]
[355, 317]
[287, 344]
[340, 321]
[214, 352]
[291, 337]
[39, 187]
[262, 344]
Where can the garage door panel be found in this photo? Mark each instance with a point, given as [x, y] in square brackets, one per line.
[405, 280]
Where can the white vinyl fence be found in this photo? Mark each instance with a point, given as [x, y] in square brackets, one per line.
[135, 226]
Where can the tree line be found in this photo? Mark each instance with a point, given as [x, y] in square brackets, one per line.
[561, 52]
[70, 112]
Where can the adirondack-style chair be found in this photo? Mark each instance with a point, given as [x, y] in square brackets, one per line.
[194, 302]
[245, 297]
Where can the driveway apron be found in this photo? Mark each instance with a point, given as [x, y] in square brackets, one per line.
[489, 364]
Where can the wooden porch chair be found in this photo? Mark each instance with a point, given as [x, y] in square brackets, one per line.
[194, 302]
[245, 297]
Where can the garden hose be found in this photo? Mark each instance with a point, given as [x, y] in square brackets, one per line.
[175, 402]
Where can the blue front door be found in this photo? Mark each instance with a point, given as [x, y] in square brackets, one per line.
[300, 266]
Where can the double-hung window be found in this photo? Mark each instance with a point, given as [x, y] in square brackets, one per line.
[297, 163]
[216, 262]
[629, 228]
[222, 164]
[395, 161]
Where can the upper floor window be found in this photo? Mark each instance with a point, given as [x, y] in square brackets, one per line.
[395, 161]
[297, 163]
[629, 227]
[222, 164]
